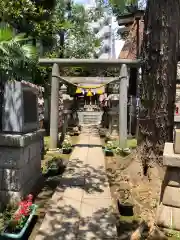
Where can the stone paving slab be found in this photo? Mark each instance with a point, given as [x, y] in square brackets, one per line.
[97, 221]
[62, 218]
[81, 207]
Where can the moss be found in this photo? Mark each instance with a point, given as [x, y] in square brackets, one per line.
[132, 143]
[130, 219]
[46, 142]
[172, 235]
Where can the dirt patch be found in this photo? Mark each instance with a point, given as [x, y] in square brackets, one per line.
[128, 184]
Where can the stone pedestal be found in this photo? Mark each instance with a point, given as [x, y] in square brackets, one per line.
[113, 102]
[20, 165]
[67, 104]
[169, 209]
[113, 123]
[66, 115]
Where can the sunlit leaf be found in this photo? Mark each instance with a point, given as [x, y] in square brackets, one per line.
[30, 51]
[6, 33]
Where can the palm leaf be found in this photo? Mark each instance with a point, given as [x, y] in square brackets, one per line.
[3, 50]
[6, 33]
[30, 51]
[16, 58]
[20, 37]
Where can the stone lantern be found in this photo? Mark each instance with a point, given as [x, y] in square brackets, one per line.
[113, 102]
[67, 100]
[67, 104]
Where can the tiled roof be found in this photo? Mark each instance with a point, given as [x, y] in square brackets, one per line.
[129, 49]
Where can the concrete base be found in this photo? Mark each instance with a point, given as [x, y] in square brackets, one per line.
[169, 157]
[177, 141]
[168, 217]
[169, 210]
[20, 165]
[113, 124]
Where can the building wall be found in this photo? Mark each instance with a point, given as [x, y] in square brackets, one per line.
[105, 29]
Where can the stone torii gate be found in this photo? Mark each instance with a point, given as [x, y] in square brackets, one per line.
[89, 63]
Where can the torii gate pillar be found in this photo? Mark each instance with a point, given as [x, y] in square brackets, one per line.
[123, 100]
[54, 108]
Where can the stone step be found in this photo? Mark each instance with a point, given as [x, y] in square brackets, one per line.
[168, 217]
[90, 117]
[170, 159]
[171, 196]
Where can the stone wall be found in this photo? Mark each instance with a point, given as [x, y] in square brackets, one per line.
[20, 165]
[169, 209]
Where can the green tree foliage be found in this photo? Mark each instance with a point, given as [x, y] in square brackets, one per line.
[119, 7]
[45, 21]
[46, 24]
[23, 15]
[31, 18]
[81, 41]
[17, 59]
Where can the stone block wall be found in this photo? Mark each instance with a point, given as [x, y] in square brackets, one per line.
[169, 209]
[20, 166]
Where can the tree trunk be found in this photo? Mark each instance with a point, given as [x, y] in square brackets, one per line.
[158, 85]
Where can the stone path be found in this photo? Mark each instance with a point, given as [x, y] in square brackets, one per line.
[81, 208]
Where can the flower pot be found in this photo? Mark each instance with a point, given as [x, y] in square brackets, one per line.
[125, 209]
[67, 150]
[7, 235]
[53, 171]
[108, 153]
[56, 168]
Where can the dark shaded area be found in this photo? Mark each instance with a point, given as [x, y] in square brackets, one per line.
[133, 81]
[125, 209]
[125, 229]
[1, 99]
[30, 107]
